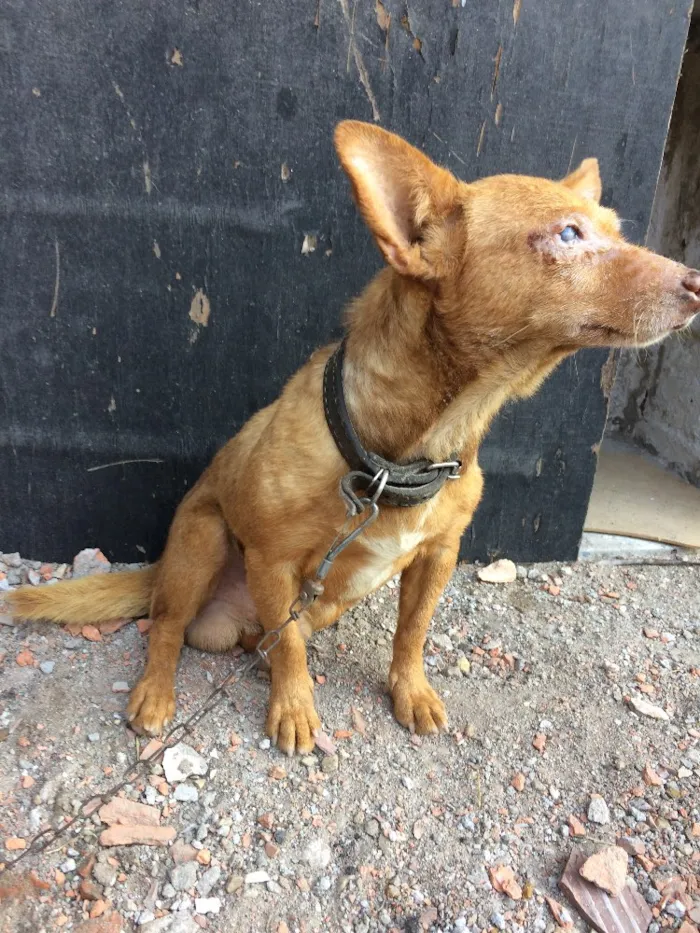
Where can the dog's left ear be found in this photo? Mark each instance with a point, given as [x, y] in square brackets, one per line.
[585, 180]
[409, 203]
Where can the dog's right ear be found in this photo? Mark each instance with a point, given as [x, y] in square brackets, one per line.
[401, 194]
[585, 180]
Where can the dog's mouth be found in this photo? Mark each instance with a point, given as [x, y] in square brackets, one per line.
[641, 336]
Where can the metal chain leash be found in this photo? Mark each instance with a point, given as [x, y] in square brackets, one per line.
[311, 589]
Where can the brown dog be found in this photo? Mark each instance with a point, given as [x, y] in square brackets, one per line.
[488, 287]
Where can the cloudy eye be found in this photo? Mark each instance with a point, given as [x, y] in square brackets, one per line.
[570, 234]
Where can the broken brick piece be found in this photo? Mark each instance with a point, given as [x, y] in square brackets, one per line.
[627, 913]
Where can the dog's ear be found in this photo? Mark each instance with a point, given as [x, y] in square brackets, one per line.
[403, 197]
[585, 180]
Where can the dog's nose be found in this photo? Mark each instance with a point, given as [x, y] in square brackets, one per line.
[691, 282]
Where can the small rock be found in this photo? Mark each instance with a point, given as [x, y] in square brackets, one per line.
[69, 865]
[180, 923]
[234, 883]
[207, 905]
[93, 737]
[500, 571]
[598, 811]
[607, 869]
[576, 826]
[266, 820]
[407, 782]
[644, 708]
[123, 812]
[464, 665]
[184, 877]
[631, 846]
[675, 909]
[503, 880]
[329, 764]
[256, 877]
[137, 835]
[186, 793]
[518, 782]
[120, 686]
[650, 777]
[442, 641]
[317, 855]
[46, 667]
[89, 561]
[372, 828]
[208, 881]
[105, 874]
[325, 743]
[498, 920]
[182, 852]
[181, 761]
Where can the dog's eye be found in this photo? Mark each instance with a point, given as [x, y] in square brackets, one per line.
[569, 234]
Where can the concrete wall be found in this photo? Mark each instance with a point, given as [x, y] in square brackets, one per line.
[656, 397]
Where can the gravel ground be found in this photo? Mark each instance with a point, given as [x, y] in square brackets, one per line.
[387, 831]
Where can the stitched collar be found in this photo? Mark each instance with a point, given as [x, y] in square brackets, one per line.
[407, 484]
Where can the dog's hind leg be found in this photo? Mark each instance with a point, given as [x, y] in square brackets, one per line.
[194, 556]
[229, 618]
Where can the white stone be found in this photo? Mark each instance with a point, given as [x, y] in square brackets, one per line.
[207, 905]
[180, 761]
[644, 708]
[317, 855]
[90, 561]
[500, 571]
[598, 811]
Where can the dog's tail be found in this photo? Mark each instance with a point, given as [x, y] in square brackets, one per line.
[99, 598]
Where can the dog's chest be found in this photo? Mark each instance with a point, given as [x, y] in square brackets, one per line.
[381, 558]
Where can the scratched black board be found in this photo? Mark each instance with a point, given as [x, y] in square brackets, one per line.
[156, 291]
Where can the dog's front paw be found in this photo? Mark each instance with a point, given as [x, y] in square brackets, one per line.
[151, 705]
[292, 721]
[416, 705]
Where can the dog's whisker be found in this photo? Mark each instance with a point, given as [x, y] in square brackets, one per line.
[511, 336]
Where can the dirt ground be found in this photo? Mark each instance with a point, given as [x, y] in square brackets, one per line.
[388, 832]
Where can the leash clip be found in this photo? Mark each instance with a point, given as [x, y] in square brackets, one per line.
[353, 483]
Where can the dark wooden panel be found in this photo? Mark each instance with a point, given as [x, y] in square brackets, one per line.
[141, 164]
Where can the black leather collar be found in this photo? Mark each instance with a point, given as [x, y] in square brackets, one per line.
[407, 483]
